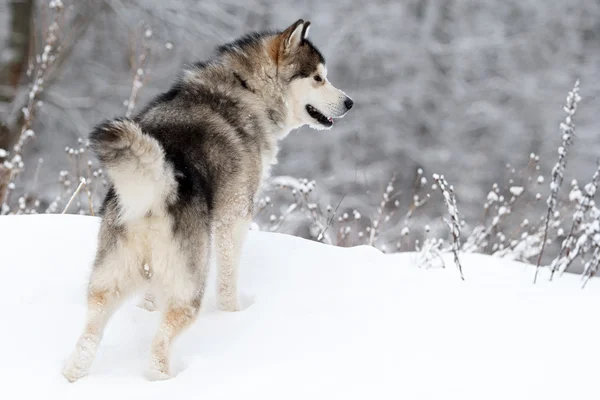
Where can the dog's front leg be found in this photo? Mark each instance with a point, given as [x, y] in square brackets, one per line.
[230, 237]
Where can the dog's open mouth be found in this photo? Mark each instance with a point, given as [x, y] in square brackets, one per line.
[322, 119]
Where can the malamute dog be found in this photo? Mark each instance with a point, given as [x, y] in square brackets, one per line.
[184, 173]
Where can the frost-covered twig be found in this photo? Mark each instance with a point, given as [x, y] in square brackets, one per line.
[480, 235]
[504, 199]
[528, 245]
[591, 266]
[568, 130]
[77, 157]
[330, 220]
[81, 185]
[140, 73]
[454, 222]
[301, 190]
[5, 174]
[585, 202]
[376, 223]
[416, 204]
[430, 251]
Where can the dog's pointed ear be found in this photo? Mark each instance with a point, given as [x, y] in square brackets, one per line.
[294, 35]
[305, 30]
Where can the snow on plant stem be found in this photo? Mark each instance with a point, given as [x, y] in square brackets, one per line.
[567, 129]
[140, 74]
[567, 250]
[454, 222]
[591, 266]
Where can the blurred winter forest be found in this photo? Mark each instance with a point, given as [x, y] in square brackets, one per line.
[461, 88]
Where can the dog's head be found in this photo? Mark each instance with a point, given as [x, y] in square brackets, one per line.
[311, 99]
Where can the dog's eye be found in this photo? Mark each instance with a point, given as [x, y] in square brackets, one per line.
[318, 78]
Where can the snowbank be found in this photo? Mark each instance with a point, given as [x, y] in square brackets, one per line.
[320, 323]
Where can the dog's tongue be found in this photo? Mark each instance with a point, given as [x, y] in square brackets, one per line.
[330, 119]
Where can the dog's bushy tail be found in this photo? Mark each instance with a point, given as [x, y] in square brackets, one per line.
[135, 163]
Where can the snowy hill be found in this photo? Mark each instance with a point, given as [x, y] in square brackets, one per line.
[319, 323]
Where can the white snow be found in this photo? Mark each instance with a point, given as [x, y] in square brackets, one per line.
[492, 196]
[516, 190]
[319, 322]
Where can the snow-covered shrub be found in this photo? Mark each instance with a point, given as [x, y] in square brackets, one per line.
[583, 239]
[503, 230]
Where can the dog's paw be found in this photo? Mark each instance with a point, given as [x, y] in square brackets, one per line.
[77, 366]
[229, 305]
[154, 375]
[158, 369]
[79, 363]
[157, 374]
[235, 305]
[74, 373]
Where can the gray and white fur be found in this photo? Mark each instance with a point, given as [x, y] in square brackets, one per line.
[184, 174]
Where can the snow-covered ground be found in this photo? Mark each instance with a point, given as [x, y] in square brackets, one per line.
[320, 323]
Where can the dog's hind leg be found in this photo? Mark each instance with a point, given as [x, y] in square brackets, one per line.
[107, 290]
[183, 293]
[175, 320]
[101, 305]
[230, 236]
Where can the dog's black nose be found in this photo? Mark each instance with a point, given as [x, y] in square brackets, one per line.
[348, 103]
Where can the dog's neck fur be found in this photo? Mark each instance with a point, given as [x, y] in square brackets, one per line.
[250, 75]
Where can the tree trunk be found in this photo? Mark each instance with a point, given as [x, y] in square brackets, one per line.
[13, 64]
